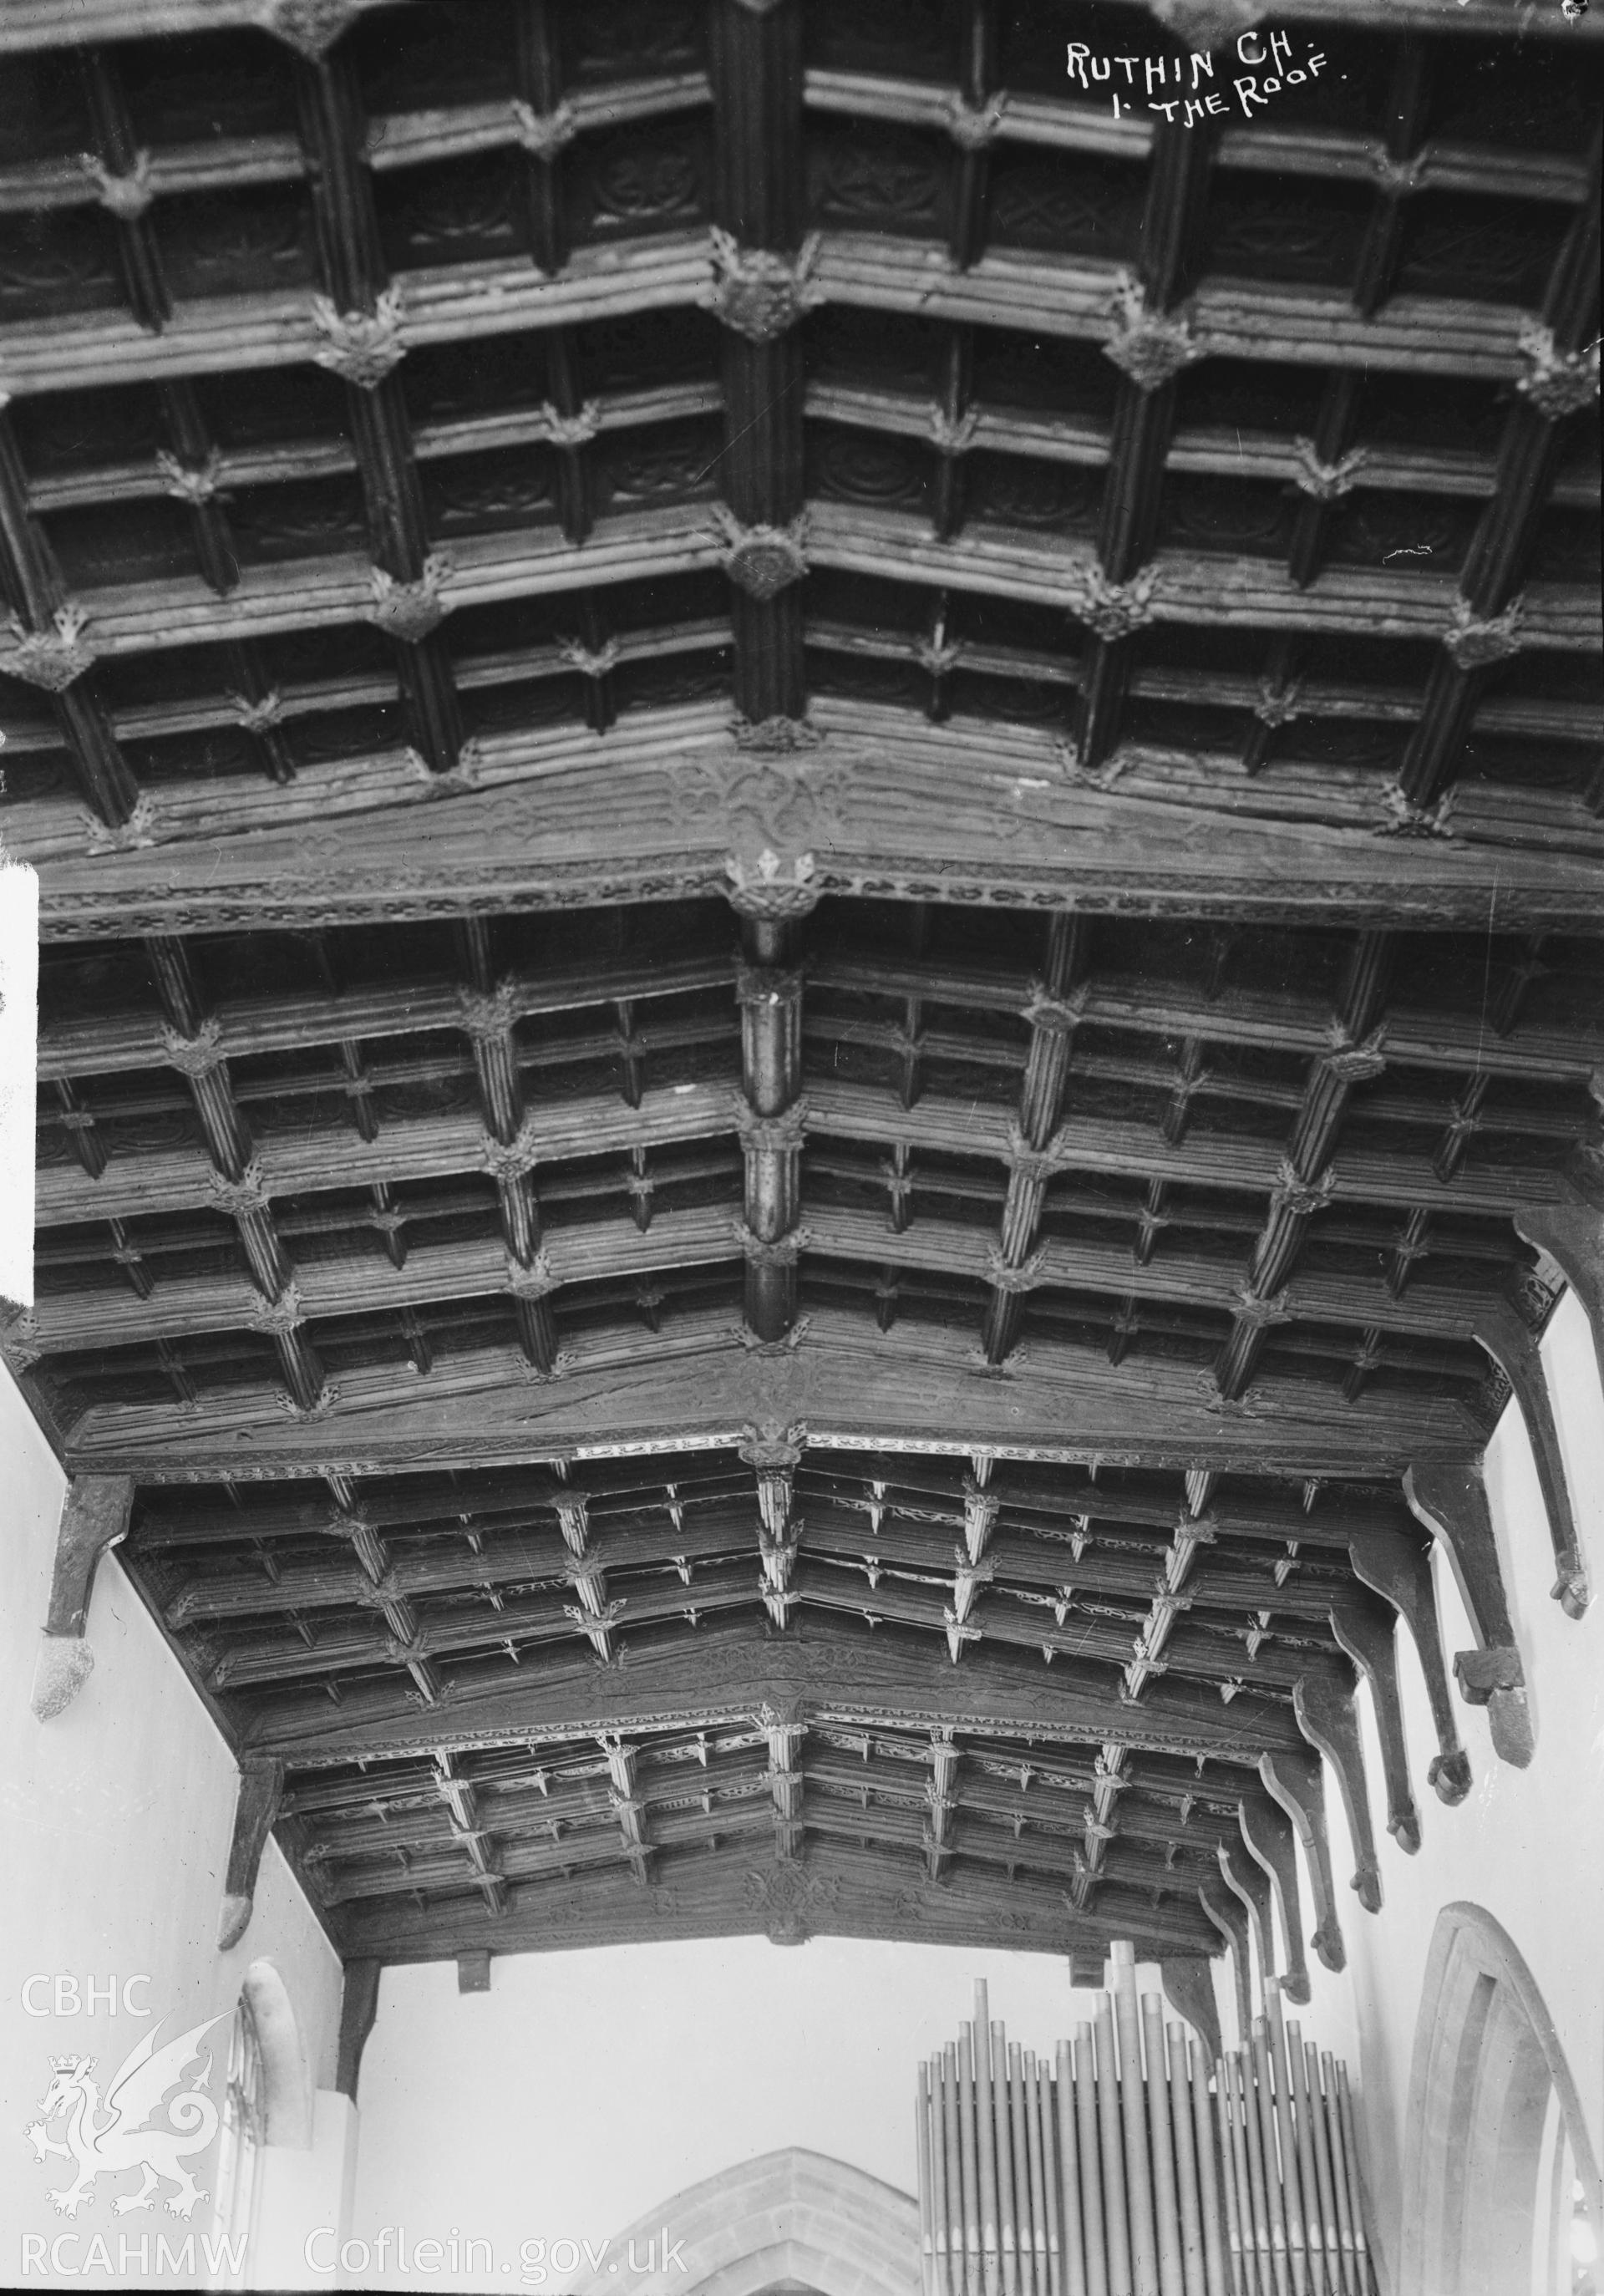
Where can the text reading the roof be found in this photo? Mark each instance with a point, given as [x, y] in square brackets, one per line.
[1192, 101]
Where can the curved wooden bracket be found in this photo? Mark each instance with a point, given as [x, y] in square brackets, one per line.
[1297, 1781]
[261, 1788]
[1399, 1570]
[1452, 1501]
[1267, 1834]
[1226, 1910]
[1500, 1330]
[95, 1518]
[1365, 1627]
[1188, 1982]
[1247, 1879]
[358, 2007]
[1326, 1717]
[1571, 1233]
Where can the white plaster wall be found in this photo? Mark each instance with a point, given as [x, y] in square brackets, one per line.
[585, 2088]
[114, 1828]
[1526, 1844]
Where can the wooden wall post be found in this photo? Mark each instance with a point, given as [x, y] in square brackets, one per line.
[1453, 1501]
[94, 1516]
[358, 2007]
[261, 1786]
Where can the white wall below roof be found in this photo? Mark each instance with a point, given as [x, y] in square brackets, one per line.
[585, 2088]
[1528, 1845]
[114, 1829]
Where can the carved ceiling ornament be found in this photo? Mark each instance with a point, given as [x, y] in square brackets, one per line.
[1114, 610]
[758, 292]
[1402, 817]
[1556, 382]
[50, 659]
[571, 430]
[410, 610]
[1473, 643]
[199, 1055]
[1278, 705]
[975, 127]
[771, 800]
[125, 196]
[1325, 481]
[190, 483]
[20, 1345]
[763, 560]
[544, 133]
[360, 347]
[791, 1898]
[1148, 347]
[1207, 24]
[310, 27]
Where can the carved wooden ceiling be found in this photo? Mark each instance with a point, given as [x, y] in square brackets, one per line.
[820, 854]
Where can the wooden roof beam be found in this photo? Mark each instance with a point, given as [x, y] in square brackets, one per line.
[1066, 295]
[844, 1891]
[912, 815]
[77, 1045]
[1488, 613]
[1188, 587]
[913, 1387]
[731, 1671]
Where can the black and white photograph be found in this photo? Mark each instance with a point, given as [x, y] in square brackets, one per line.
[801, 1147]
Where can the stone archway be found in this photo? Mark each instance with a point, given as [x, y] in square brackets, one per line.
[789, 2222]
[287, 2101]
[1492, 2111]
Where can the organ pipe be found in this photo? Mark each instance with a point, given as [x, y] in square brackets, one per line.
[1123, 2166]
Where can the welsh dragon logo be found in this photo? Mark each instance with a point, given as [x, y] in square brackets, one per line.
[106, 2138]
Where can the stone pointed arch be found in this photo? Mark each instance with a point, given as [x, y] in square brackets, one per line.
[288, 2096]
[792, 2218]
[1488, 2078]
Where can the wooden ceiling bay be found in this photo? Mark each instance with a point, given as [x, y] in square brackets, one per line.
[823, 1000]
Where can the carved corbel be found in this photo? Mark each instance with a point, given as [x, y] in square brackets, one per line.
[1326, 1717]
[1365, 1628]
[1226, 1910]
[1499, 1329]
[1399, 1571]
[1572, 1234]
[1452, 1501]
[1246, 1880]
[94, 1516]
[1188, 1982]
[261, 1789]
[1297, 1781]
[1267, 1835]
[358, 2007]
